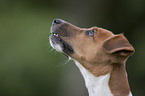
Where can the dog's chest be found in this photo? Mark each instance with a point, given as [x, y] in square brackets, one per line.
[97, 86]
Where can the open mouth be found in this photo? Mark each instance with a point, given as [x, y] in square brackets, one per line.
[58, 43]
[55, 34]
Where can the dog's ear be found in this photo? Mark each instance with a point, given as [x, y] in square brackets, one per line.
[119, 45]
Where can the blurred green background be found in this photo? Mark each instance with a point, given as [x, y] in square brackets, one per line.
[28, 68]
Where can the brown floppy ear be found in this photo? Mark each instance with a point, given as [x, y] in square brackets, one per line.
[118, 44]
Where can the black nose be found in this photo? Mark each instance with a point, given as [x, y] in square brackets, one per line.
[56, 21]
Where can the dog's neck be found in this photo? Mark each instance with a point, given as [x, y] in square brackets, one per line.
[106, 85]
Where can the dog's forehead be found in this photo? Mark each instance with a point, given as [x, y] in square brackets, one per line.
[99, 30]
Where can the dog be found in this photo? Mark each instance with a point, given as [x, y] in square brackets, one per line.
[99, 54]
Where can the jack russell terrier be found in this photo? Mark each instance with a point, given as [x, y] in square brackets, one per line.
[99, 54]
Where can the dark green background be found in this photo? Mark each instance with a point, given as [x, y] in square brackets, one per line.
[28, 68]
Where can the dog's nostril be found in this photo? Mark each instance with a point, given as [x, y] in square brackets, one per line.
[57, 21]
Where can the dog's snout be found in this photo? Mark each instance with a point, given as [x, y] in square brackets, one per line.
[56, 21]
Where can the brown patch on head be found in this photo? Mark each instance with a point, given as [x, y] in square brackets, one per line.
[98, 50]
[86, 44]
[95, 48]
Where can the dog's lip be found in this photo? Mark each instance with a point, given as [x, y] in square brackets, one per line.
[54, 33]
[67, 49]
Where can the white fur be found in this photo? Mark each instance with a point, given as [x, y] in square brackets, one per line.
[97, 86]
[57, 47]
[130, 94]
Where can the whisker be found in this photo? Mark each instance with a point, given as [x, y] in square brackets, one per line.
[55, 52]
[64, 63]
[51, 50]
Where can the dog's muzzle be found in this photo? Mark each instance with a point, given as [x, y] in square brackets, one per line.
[57, 32]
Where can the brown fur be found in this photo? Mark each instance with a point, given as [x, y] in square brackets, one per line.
[118, 81]
[101, 54]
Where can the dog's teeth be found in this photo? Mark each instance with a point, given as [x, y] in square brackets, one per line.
[55, 34]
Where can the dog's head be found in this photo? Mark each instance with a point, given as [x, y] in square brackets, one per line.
[92, 46]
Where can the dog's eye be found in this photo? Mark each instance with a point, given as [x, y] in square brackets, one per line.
[90, 32]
